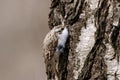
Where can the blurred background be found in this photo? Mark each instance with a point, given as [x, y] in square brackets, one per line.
[23, 26]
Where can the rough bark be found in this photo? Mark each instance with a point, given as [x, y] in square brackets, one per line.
[93, 48]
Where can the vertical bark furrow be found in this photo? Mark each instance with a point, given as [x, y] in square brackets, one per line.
[92, 68]
[72, 19]
[89, 71]
[54, 3]
[57, 11]
[74, 31]
[114, 36]
[112, 54]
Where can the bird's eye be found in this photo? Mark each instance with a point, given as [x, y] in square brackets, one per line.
[62, 28]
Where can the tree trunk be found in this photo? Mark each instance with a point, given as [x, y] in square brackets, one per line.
[92, 50]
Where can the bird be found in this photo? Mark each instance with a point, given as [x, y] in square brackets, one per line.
[49, 47]
[53, 46]
[50, 41]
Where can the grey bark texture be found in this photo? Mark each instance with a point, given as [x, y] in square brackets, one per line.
[92, 50]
